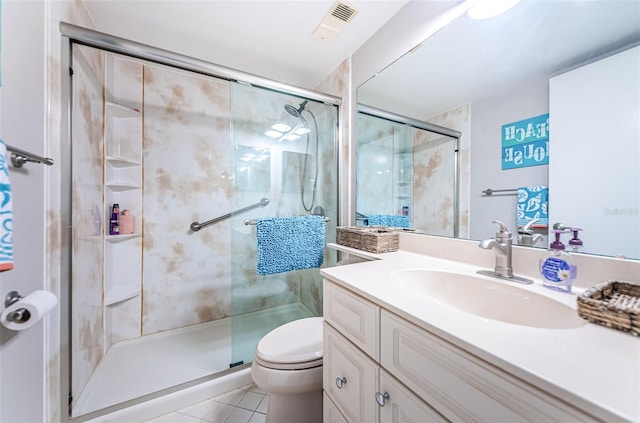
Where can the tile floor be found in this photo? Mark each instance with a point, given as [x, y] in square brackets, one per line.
[245, 405]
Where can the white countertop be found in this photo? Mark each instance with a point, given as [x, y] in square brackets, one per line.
[596, 369]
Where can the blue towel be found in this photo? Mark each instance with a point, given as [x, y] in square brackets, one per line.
[290, 243]
[533, 203]
[6, 213]
[387, 220]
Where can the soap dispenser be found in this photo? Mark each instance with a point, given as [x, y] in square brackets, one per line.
[526, 235]
[556, 268]
[575, 243]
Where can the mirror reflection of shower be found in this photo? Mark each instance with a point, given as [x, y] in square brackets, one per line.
[284, 131]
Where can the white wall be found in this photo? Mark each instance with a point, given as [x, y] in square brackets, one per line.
[487, 118]
[594, 116]
[22, 119]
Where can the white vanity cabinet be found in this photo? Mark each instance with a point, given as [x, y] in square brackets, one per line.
[379, 367]
[356, 388]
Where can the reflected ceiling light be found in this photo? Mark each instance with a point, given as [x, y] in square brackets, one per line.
[301, 131]
[291, 137]
[282, 127]
[273, 134]
[486, 9]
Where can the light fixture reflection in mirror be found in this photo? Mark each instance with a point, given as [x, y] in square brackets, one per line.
[500, 73]
[487, 9]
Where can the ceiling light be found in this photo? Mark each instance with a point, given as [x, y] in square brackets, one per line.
[486, 9]
[282, 127]
[273, 134]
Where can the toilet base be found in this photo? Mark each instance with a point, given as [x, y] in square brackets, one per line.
[295, 408]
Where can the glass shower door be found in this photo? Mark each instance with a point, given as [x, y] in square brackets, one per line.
[288, 158]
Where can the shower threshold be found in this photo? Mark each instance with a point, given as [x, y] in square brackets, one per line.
[141, 366]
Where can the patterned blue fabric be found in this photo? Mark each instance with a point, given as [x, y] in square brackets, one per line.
[388, 220]
[290, 243]
[6, 213]
[533, 203]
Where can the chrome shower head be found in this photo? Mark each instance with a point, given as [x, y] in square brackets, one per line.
[293, 111]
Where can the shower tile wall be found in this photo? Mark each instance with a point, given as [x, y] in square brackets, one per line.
[88, 337]
[186, 275]
[432, 169]
[375, 166]
[433, 179]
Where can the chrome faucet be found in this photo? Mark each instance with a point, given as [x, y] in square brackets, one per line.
[526, 235]
[501, 246]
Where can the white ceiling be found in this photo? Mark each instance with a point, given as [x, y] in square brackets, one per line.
[471, 60]
[268, 38]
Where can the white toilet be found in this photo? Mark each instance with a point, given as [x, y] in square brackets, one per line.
[288, 365]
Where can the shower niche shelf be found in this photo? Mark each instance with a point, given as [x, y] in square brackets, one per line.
[120, 111]
[119, 294]
[121, 238]
[121, 162]
[123, 185]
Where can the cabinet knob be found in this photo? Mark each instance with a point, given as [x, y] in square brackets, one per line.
[381, 398]
[340, 382]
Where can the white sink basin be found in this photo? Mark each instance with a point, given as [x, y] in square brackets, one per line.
[488, 298]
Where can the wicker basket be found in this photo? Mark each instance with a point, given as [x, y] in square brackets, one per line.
[374, 239]
[614, 304]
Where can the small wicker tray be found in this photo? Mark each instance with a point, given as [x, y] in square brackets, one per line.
[374, 239]
[614, 304]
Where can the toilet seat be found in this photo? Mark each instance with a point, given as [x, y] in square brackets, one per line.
[295, 345]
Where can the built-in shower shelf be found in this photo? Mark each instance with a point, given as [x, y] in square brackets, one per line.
[120, 162]
[122, 186]
[120, 111]
[120, 238]
[118, 294]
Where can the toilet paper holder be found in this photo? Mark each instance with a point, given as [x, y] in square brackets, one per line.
[20, 315]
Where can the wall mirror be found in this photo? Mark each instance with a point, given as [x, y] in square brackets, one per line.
[482, 76]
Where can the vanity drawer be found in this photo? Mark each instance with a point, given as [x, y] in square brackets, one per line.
[350, 378]
[459, 385]
[403, 405]
[354, 317]
[330, 413]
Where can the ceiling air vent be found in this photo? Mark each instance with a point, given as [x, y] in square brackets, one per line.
[338, 16]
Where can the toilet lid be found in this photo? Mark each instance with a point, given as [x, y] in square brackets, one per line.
[299, 341]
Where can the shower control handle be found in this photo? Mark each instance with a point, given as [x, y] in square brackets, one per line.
[382, 398]
[340, 382]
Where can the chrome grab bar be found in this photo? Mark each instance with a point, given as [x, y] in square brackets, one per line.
[196, 226]
[20, 157]
[491, 191]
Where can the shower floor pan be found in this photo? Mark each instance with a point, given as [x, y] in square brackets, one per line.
[149, 364]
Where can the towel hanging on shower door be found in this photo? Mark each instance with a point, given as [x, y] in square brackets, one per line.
[290, 243]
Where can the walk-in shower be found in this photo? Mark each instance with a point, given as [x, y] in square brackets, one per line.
[165, 306]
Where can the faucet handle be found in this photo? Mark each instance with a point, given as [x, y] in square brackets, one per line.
[503, 231]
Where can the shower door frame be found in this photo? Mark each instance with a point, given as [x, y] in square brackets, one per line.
[71, 35]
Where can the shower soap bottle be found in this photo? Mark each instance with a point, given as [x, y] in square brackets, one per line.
[114, 222]
[127, 222]
[557, 268]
